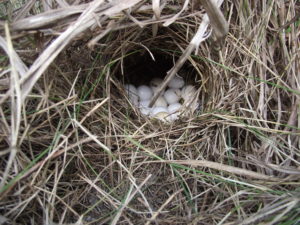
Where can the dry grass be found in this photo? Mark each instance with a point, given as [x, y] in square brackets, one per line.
[74, 151]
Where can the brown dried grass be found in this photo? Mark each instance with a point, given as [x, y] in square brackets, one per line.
[73, 149]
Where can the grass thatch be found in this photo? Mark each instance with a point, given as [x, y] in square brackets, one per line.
[74, 150]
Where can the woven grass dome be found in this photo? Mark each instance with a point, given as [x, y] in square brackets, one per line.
[75, 150]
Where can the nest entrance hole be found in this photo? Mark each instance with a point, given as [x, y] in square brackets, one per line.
[141, 67]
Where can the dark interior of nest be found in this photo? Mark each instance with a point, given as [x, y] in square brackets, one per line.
[142, 66]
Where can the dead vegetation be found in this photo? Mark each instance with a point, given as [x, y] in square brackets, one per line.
[74, 151]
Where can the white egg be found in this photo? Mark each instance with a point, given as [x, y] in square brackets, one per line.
[155, 82]
[173, 117]
[172, 95]
[188, 92]
[144, 92]
[176, 82]
[134, 99]
[144, 104]
[156, 85]
[177, 91]
[158, 109]
[163, 116]
[161, 101]
[175, 107]
[130, 89]
[132, 93]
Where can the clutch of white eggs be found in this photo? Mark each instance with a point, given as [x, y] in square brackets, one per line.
[178, 99]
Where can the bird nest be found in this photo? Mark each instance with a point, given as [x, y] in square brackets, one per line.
[74, 149]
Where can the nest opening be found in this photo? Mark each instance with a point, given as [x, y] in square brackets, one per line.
[146, 57]
[141, 67]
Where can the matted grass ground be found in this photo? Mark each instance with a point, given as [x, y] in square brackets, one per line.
[75, 151]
